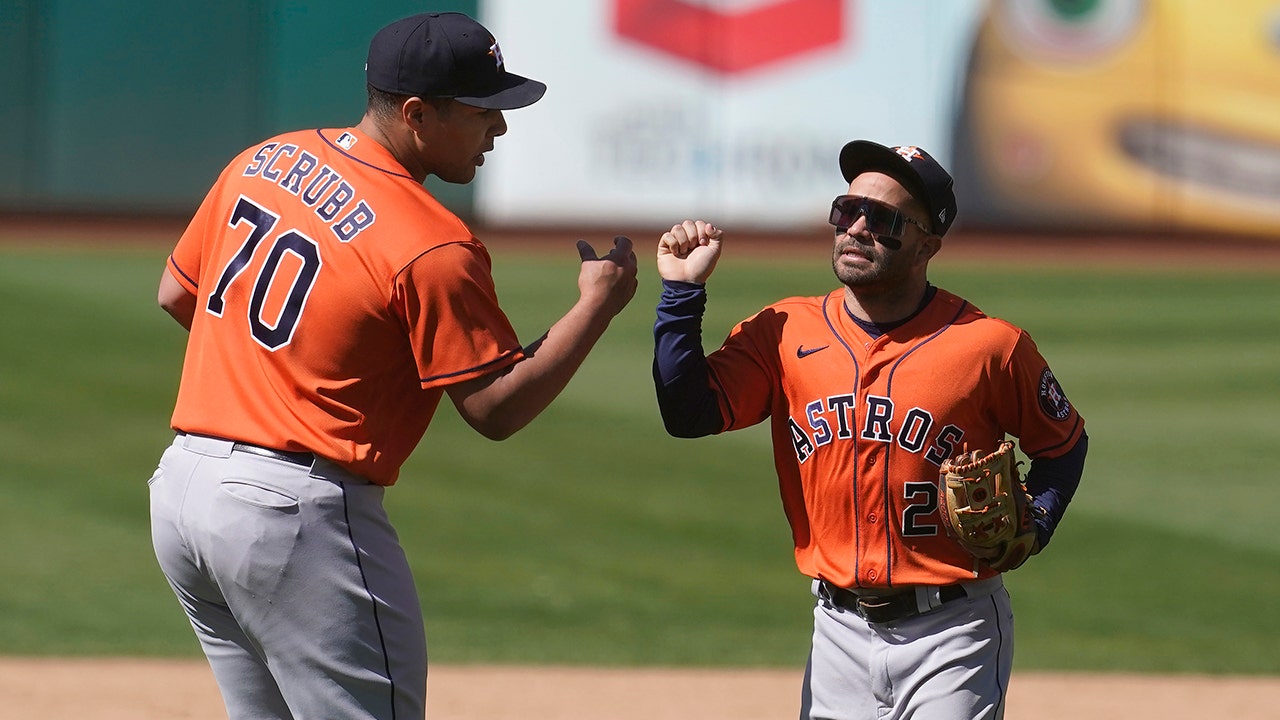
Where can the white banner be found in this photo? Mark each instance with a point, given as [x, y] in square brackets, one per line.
[730, 110]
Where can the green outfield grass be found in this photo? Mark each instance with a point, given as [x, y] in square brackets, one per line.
[592, 538]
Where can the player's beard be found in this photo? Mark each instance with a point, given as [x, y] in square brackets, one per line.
[881, 266]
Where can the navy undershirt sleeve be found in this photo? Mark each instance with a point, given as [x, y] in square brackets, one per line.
[1052, 482]
[680, 377]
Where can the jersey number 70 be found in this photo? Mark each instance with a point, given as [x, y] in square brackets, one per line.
[272, 336]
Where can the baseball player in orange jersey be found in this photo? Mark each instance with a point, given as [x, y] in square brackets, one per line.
[331, 302]
[868, 390]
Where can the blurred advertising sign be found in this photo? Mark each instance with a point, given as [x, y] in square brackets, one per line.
[733, 110]
[749, 36]
[1148, 114]
[1051, 114]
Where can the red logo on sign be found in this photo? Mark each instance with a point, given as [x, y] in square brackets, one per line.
[731, 42]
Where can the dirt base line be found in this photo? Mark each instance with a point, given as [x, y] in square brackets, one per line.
[140, 689]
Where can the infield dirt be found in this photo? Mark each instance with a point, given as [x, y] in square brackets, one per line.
[132, 689]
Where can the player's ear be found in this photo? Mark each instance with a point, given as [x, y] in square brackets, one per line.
[413, 111]
[928, 247]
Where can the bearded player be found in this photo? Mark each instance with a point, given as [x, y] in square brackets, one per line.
[874, 393]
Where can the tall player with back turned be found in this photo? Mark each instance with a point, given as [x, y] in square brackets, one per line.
[871, 391]
[332, 302]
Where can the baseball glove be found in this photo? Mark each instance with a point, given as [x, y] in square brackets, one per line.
[987, 509]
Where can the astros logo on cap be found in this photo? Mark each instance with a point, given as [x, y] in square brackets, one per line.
[909, 152]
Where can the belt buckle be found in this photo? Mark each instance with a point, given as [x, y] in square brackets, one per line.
[896, 605]
[886, 609]
[890, 605]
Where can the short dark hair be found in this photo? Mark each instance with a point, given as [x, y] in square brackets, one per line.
[384, 105]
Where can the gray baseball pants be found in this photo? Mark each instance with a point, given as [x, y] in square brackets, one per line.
[952, 663]
[294, 582]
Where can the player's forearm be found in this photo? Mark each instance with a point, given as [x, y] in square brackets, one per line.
[511, 400]
[680, 377]
[1052, 482]
[176, 300]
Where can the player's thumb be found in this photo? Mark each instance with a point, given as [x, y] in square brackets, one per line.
[586, 252]
[622, 244]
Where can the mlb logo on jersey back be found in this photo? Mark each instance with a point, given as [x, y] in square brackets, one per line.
[317, 185]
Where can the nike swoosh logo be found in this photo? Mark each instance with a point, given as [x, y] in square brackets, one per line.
[802, 351]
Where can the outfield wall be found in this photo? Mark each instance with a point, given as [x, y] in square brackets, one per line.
[134, 106]
[1119, 115]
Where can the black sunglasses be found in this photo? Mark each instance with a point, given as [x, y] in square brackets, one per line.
[883, 221]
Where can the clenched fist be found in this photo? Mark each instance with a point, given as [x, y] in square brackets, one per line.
[689, 251]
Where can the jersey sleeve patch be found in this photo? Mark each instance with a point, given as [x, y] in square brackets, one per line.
[1053, 401]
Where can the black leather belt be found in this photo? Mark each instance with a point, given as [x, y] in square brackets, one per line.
[885, 607]
[297, 458]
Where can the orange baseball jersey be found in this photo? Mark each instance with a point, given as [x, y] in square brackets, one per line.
[861, 425]
[336, 299]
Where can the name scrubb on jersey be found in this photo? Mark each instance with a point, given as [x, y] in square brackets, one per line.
[319, 187]
[880, 417]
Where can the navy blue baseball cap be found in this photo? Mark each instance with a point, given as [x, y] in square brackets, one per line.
[446, 55]
[918, 172]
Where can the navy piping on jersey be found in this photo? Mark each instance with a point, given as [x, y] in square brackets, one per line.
[464, 371]
[875, 330]
[857, 375]
[1041, 451]
[888, 528]
[174, 264]
[342, 151]
[477, 368]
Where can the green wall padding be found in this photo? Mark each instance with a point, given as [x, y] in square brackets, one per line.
[134, 107]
